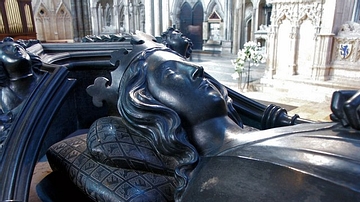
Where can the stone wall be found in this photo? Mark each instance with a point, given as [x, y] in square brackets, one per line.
[292, 35]
[53, 20]
[61, 20]
[345, 64]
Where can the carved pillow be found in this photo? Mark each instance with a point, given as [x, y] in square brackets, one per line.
[110, 142]
[103, 182]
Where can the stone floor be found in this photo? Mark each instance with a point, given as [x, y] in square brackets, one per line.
[42, 169]
[221, 69]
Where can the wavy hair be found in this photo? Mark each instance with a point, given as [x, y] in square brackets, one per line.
[154, 121]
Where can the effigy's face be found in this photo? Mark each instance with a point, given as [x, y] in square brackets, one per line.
[12, 52]
[182, 86]
[14, 57]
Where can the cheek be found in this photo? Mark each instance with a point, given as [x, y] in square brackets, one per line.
[169, 95]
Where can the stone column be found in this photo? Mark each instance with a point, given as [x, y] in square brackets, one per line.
[255, 21]
[78, 23]
[254, 24]
[148, 17]
[83, 19]
[95, 20]
[237, 24]
[294, 40]
[157, 18]
[115, 18]
[165, 15]
[86, 17]
[228, 14]
[271, 49]
[294, 35]
[101, 12]
[126, 17]
[131, 18]
[136, 16]
[322, 57]
[142, 17]
[226, 43]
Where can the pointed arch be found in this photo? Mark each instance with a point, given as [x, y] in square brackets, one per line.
[282, 16]
[248, 28]
[42, 22]
[64, 22]
[214, 5]
[185, 18]
[248, 21]
[191, 19]
[175, 10]
[42, 11]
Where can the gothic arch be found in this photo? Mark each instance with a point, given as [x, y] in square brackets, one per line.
[282, 17]
[176, 8]
[248, 27]
[103, 3]
[248, 11]
[63, 11]
[175, 11]
[306, 48]
[284, 14]
[42, 18]
[108, 15]
[312, 13]
[185, 18]
[42, 11]
[248, 21]
[64, 22]
[191, 22]
[214, 5]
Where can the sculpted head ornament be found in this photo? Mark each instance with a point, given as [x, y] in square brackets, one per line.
[142, 44]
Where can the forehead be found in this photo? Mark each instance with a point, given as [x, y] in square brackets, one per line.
[3, 44]
[161, 59]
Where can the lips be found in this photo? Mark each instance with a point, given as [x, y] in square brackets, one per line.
[204, 83]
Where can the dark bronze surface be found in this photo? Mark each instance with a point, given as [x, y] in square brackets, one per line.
[345, 107]
[19, 75]
[175, 119]
[175, 40]
[155, 82]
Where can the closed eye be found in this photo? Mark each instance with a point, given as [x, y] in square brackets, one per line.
[169, 72]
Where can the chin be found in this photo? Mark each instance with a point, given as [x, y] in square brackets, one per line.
[218, 104]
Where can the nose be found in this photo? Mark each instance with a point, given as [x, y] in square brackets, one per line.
[11, 49]
[198, 72]
[15, 49]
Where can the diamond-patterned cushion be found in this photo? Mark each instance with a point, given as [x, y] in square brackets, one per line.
[112, 143]
[117, 167]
